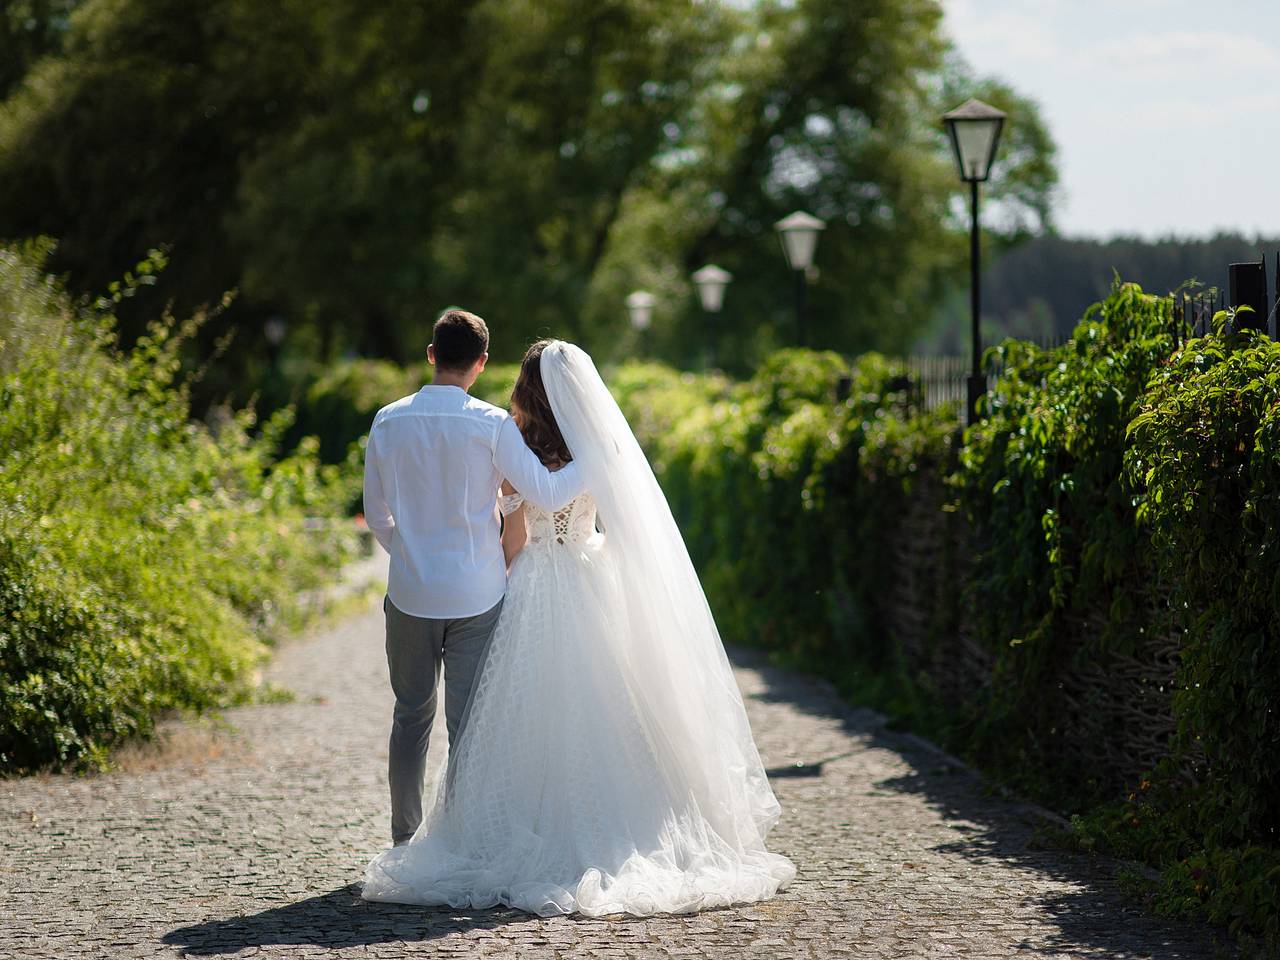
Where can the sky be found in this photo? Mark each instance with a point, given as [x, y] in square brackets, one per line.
[1166, 113]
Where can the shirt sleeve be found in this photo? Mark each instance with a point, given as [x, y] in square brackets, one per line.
[544, 488]
[377, 512]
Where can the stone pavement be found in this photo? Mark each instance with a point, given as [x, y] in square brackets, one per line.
[250, 841]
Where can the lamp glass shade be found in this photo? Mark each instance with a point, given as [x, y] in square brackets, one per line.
[274, 330]
[799, 233]
[640, 307]
[974, 129]
[711, 282]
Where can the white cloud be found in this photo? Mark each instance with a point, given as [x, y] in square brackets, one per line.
[1161, 108]
[1014, 32]
[1178, 115]
[1178, 52]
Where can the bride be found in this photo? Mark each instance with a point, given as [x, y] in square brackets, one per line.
[606, 765]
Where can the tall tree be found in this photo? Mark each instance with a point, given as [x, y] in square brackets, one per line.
[354, 168]
[832, 106]
[29, 30]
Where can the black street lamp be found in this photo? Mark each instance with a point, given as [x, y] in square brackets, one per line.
[799, 234]
[711, 282]
[974, 128]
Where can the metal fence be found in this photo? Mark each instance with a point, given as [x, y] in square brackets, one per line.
[1247, 285]
[1193, 313]
[938, 380]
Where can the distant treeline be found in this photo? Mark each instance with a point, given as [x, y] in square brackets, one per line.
[1040, 288]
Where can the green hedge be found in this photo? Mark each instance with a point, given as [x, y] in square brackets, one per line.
[1079, 594]
[1204, 461]
[145, 559]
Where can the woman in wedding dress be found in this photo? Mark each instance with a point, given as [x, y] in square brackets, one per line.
[605, 765]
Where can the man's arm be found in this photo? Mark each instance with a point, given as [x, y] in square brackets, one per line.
[377, 513]
[520, 465]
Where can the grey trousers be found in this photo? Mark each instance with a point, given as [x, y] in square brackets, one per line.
[416, 649]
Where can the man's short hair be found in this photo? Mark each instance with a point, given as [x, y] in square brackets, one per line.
[460, 339]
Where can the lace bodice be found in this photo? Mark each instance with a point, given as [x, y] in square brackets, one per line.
[573, 523]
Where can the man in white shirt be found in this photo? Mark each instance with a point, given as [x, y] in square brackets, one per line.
[433, 466]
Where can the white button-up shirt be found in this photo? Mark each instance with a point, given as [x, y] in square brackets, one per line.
[432, 470]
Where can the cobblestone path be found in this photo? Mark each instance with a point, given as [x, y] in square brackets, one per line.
[251, 842]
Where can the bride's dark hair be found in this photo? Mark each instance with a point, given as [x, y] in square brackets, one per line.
[532, 410]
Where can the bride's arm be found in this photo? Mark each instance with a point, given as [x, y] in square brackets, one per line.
[514, 533]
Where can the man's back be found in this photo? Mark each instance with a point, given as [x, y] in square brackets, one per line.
[433, 466]
[431, 487]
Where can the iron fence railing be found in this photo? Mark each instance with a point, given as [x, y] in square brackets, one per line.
[936, 380]
[1247, 285]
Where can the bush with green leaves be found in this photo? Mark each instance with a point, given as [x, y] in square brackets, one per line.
[146, 560]
[1204, 457]
[1120, 493]
[762, 475]
[1093, 616]
[1062, 578]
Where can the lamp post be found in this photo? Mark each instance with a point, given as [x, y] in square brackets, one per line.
[640, 308]
[799, 235]
[273, 331]
[711, 282]
[974, 128]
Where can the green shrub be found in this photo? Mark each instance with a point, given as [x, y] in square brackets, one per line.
[1062, 577]
[1205, 455]
[1078, 593]
[756, 472]
[145, 559]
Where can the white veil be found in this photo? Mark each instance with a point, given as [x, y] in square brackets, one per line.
[691, 705]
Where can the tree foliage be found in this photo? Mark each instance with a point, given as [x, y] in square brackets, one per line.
[144, 558]
[1078, 594]
[29, 29]
[352, 169]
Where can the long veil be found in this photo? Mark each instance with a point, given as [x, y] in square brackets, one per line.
[682, 679]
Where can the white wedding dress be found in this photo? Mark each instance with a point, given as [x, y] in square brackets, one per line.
[605, 765]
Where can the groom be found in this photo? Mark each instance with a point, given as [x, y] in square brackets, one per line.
[432, 469]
